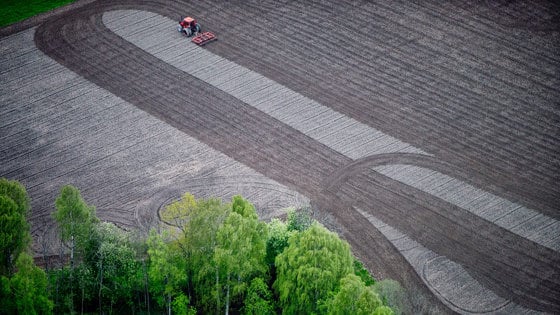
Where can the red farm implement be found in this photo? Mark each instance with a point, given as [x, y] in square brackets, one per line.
[204, 38]
[190, 27]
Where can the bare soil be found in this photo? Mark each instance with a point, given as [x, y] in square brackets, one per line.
[473, 83]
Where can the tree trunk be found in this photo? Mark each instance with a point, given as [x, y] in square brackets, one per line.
[169, 304]
[227, 295]
[217, 292]
[100, 284]
[72, 253]
[82, 312]
[146, 280]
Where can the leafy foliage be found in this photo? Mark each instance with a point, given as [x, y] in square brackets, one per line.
[354, 297]
[15, 191]
[259, 299]
[240, 250]
[116, 265]
[179, 212]
[14, 229]
[74, 217]
[29, 288]
[278, 236]
[167, 273]
[300, 219]
[361, 272]
[310, 269]
[393, 295]
[198, 243]
[26, 291]
[214, 257]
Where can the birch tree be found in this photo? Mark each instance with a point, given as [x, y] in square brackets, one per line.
[240, 251]
[166, 273]
[198, 245]
[75, 219]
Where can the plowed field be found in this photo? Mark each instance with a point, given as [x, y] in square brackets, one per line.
[427, 133]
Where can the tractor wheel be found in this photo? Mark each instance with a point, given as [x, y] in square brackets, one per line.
[179, 29]
[198, 28]
[188, 32]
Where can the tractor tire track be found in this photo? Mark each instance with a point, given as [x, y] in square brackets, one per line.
[489, 142]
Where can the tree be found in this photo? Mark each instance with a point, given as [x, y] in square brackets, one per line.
[108, 276]
[85, 278]
[179, 212]
[198, 246]
[259, 299]
[393, 295]
[116, 266]
[166, 273]
[278, 236]
[354, 297]
[240, 250]
[75, 219]
[14, 229]
[7, 305]
[361, 272]
[310, 269]
[15, 191]
[29, 288]
[299, 219]
[181, 305]
[383, 310]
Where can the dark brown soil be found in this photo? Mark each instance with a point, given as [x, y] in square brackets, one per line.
[468, 82]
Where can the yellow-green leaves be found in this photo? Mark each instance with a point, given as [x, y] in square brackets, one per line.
[310, 269]
[178, 212]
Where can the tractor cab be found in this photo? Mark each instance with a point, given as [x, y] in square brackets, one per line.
[189, 26]
[188, 22]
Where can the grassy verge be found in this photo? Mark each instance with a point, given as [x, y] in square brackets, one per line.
[16, 10]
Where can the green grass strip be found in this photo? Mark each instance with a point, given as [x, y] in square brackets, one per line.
[12, 11]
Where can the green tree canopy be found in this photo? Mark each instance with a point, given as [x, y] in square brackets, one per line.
[240, 250]
[166, 272]
[116, 266]
[179, 212]
[383, 310]
[310, 269]
[299, 219]
[14, 229]
[361, 272]
[198, 243]
[15, 191]
[259, 299]
[393, 295]
[74, 217]
[354, 297]
[278, 236]
[216, 257]
[29, 288]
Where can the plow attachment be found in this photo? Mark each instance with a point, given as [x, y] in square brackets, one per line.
[204, 38]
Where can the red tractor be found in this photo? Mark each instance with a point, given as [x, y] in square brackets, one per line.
[190, 27]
